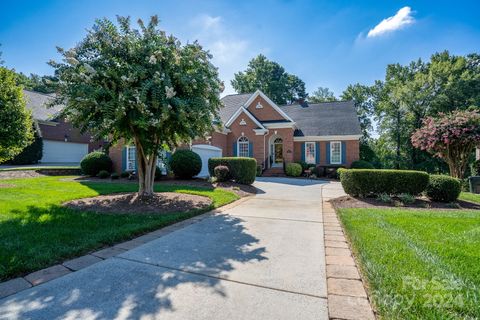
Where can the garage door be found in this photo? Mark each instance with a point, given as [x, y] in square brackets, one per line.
[59, 151]
[206, 152]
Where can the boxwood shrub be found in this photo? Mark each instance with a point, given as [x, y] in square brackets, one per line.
[242, 170]
[95, 162]
[443, 188]
[372, 182]
[293, 169]
[221, 173]
[361, 164]
[185, 164]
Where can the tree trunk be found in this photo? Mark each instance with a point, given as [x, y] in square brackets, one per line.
[146, 165]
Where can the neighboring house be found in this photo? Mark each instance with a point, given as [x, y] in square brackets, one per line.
[253, 126]
[62, 143]
[477, 153]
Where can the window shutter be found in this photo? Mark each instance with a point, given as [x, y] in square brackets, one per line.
[124, 159]
[234, 149]
[250, 149]
[344, 152]
[303, 151]
[328, 152]
[317, 152]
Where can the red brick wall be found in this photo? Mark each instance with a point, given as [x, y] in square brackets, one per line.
[265, 113]
[58, 130]
[352, 152]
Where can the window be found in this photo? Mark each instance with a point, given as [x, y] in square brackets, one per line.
[243, 147]
[131, 158]
[336, 152]
[310, 152]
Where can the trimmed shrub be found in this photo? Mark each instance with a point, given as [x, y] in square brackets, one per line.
[373, 182]
[242, 170]
[293, 169]
[115, 176]
[125, 174]
[95, 162]
[406, 198]
[221, 173]
[361, 164]
[304, 165]
[443, 188]
[103, 174]
[185, 164]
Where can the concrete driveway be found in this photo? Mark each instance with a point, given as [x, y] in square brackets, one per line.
[263, 259]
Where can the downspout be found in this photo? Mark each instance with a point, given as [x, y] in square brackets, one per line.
[264, 151]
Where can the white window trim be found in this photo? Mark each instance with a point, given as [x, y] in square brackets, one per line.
[331, 149]
[134, 160]
[238, 146]
[314, 152]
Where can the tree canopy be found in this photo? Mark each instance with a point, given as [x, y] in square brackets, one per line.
[16, 129]
[322, 95]
[451, 137]
[140, 85]
[272, 79]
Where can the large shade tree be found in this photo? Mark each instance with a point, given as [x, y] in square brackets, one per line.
[272, 79]
[451, 137]
[16, 123]
[140, 85]
[322, 94]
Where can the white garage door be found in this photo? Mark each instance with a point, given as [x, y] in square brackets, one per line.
[59, 151]
[206, 152]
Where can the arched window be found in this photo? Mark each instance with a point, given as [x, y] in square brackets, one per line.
[243, 147]
[278, 140]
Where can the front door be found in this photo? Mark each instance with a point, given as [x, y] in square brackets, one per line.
[277, 153]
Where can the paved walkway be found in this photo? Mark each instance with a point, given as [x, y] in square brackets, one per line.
[262, 259]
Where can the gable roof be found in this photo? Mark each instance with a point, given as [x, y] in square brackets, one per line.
[231, 104]
[37, 103]
[324, 119]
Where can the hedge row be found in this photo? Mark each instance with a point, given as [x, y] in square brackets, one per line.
[242, 170]
[368, 182]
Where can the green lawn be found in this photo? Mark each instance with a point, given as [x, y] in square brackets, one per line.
[472, 197]
[419, 264]
[36, 232]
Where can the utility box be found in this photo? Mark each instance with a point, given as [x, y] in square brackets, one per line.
[475, 184]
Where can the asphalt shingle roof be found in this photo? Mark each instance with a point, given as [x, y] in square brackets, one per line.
[316, 119]
[325, 119]
[231, 103]
[37, 102]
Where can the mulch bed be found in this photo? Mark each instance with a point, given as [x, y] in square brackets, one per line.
[14, 174]
[241, 190]
[420, 203]
[130, 203]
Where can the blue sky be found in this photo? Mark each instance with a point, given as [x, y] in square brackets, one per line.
[325, 43]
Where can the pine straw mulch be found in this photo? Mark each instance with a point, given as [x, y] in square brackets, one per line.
[130, 203]
[14, 174]
[420, 203]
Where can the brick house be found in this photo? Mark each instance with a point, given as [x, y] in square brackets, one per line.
[254, 126]
[62, 143]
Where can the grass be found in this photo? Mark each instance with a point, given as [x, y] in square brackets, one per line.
[36, 231]
[472, 197]
[419, 264]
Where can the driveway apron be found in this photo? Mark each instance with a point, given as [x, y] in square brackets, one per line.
[262, 259]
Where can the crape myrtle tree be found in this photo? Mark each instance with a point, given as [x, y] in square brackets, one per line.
[451, 137]
[15, 120]
[140, 85]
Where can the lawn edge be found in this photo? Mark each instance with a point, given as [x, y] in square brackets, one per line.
[363, 307]
[75, 263]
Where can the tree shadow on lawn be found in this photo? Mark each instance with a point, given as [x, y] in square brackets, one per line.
[147, 281]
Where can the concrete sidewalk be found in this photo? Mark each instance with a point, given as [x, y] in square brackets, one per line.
[263, 259]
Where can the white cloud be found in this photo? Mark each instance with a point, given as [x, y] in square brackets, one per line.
[401, 19]
[230, 51]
